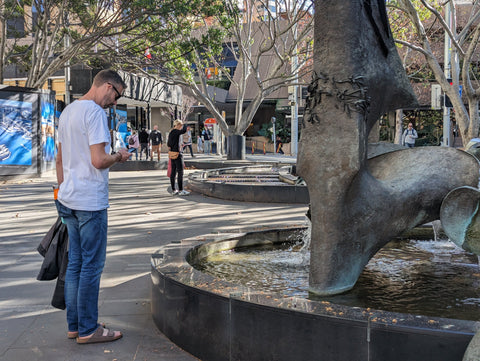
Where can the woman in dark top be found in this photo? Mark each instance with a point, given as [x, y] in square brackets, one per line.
[177, 164]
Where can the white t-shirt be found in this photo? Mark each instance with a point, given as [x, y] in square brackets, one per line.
[82, 124]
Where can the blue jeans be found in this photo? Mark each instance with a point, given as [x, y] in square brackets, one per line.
[207, 146]
[87, 249]
[136, 153]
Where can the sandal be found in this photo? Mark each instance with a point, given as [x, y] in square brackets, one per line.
[100, 335]
[74, 334]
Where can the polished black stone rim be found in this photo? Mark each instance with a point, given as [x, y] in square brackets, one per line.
[215, 320]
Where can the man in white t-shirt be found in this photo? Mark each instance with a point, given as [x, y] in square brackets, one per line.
[82, 167]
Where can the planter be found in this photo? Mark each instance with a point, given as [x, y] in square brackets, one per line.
[236, 147]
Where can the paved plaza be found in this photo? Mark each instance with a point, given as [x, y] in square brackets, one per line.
[142, 218]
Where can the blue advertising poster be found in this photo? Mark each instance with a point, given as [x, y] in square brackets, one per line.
[15, 132]
[120, 117]
[47, 119]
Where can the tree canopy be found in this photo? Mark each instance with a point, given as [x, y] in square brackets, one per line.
[59, 32]
[251, 51]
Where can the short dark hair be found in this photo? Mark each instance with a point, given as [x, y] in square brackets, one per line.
[108, 76]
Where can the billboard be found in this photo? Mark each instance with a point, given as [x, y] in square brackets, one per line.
[48, 131]
[27, 130]
[15, 132]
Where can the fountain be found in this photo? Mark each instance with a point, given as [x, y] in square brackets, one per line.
[401, 277]
[357, 206]
[254, 183]
[215, 319]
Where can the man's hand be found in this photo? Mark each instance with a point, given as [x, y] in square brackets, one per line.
[102, 160]
[124, 155]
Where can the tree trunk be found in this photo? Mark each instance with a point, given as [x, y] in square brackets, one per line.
[398, 126]
[473, 104]
[391, 125]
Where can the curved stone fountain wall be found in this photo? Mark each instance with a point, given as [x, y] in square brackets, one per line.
[261, 183]
[216, 320]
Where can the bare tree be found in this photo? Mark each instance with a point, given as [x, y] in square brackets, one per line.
[463, 51]
[186, 108]
[263, 44]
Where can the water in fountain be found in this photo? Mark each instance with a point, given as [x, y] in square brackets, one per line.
[432, 278]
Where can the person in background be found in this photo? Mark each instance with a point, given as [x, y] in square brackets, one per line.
[187, 140]
[132, 141]
[199, 144]
[82, 165]
[119, 143]
[177, 164]
[409, 136]
[125, 137]
[279, 145]
[155, 138]
[207, 140]
[143, 140]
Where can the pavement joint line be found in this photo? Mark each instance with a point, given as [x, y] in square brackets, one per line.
[127, 300]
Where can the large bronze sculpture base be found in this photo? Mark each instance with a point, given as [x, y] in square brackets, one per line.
[357, 206]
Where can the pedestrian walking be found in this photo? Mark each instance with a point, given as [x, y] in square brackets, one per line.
[155, 138]
[143, 140]
[187, 140]
[409, 136]
[133, 143]
[82, 165]
[176, 158]
[279, 145]
[207, 140]
[199, 144]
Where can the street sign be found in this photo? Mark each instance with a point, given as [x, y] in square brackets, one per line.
[436, 96]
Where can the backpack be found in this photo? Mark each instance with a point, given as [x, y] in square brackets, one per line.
[131, 141]
[206, 134]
